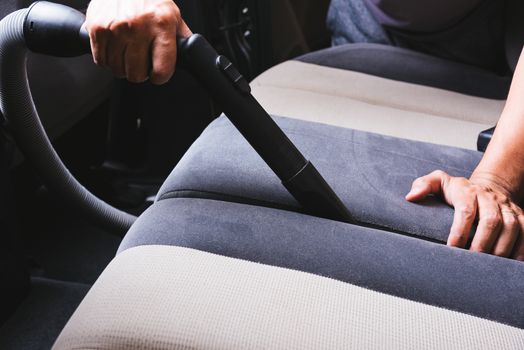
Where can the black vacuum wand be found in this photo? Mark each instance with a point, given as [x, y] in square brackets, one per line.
[58, 30]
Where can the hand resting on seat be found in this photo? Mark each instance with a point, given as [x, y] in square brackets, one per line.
[494, 192]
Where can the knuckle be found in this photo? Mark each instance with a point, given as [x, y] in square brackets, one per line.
[466, 211]
[475, 188]
[121, 26]
[463, 180]
[176, 12]
[510, 220]
[164, 21]
[491, 220]
[491, 196]
[166, 16]
[502, 198]
[516, 209]
[97, 29]
[440, 173]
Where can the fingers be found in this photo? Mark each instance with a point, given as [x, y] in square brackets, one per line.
[136, 39]
[509, 232]
[490, 223]
[137, 61]
[460, 196]
[500, 229]
[465, 203]
[425, 185]
[164, 53]
[99, 38]
[518, 249]
[98, 26]
[164, 47]
[115, 57]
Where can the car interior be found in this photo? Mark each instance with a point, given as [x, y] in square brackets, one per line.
[256, 200]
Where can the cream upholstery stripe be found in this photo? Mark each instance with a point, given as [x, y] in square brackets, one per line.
[160, 297]
[365, 102]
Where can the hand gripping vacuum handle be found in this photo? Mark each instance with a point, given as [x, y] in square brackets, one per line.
[58, 30]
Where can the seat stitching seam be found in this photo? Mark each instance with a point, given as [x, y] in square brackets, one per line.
[172, 194]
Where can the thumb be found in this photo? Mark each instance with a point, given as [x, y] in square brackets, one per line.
[425, 185]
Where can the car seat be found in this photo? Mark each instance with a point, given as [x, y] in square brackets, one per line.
[232, 271]
[368, 86]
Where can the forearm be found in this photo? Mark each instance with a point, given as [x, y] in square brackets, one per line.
[503, 162]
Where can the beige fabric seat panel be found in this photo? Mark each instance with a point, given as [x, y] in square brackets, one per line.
[365, 102]
[160, 297]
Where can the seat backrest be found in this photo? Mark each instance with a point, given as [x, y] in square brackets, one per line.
[514, 32]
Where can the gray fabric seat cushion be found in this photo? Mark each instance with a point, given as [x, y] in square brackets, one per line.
[431, 273]
[413, 67]
[167, 297]
[371, 173]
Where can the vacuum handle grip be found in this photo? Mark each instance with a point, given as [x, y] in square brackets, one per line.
[56, 30]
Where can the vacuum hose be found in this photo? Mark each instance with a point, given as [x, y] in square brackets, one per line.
[58, 30]
[18, 108]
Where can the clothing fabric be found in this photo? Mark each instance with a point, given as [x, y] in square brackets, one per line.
[422, 16]
[350, 21]
[470, 31]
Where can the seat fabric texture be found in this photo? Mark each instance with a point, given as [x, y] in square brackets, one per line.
[366, 102]
[371, 173]
[477, 284]
[160, 297]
